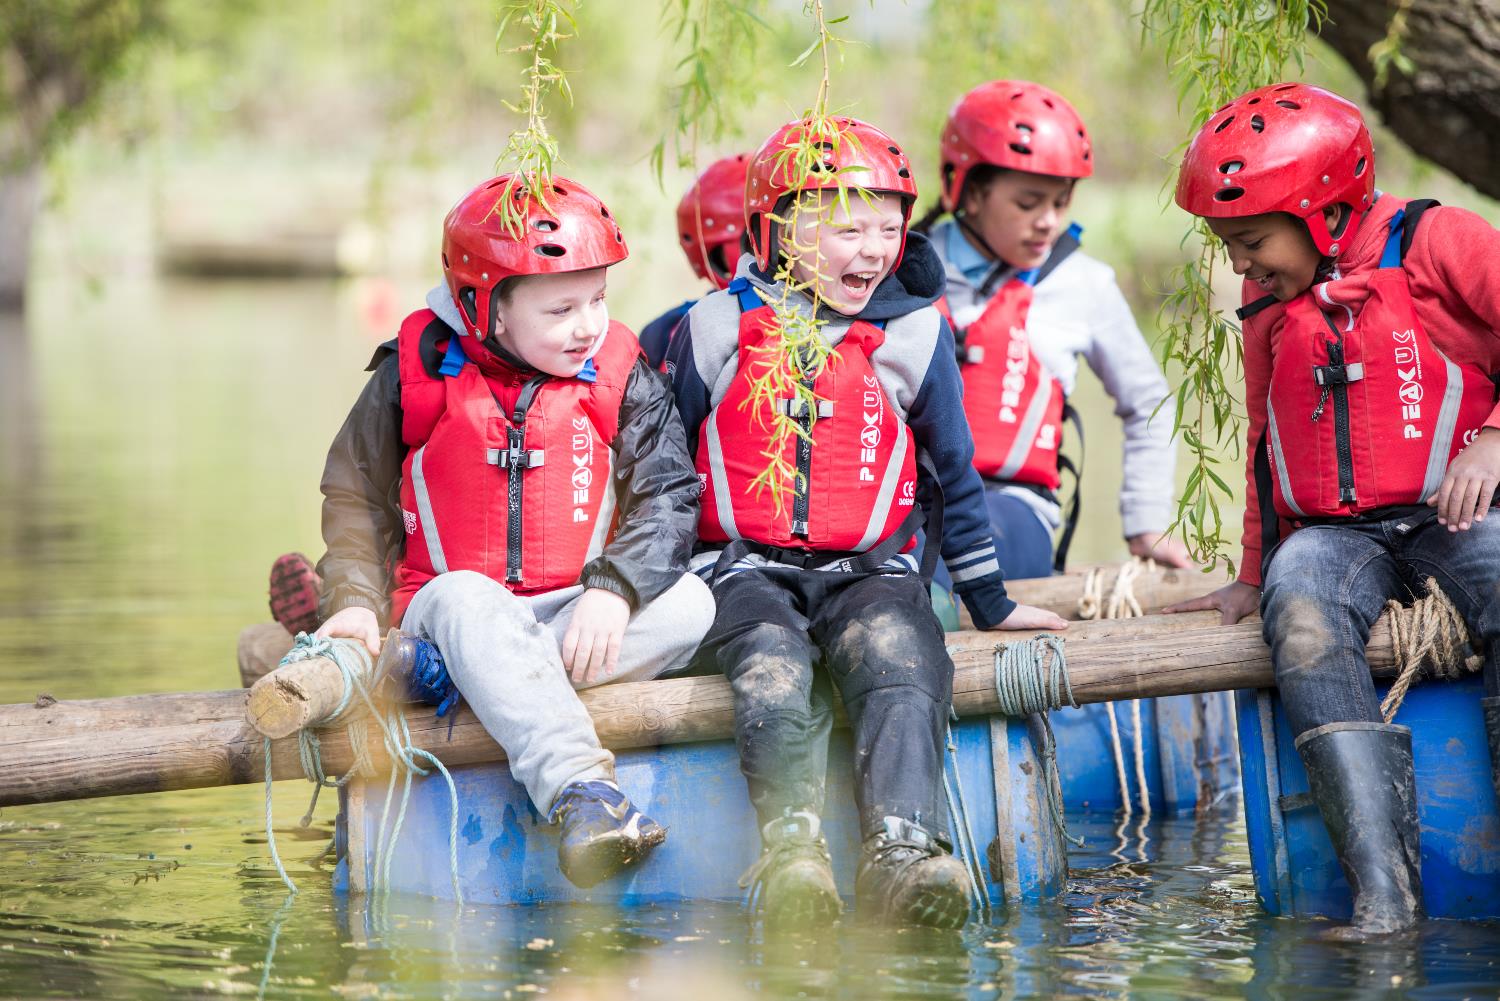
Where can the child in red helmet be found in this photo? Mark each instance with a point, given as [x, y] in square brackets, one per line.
[710, 226]
[1026, 304]
[1371, 341]
[525, 474]
[826, 575]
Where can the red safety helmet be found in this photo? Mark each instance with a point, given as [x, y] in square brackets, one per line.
[1014, 124]
[1288, 147]
[854, 144]
[572, 232]
[711, 217]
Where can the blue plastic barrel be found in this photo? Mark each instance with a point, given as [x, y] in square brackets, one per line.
[1296, 872]
[507, 854]
[1187, 750]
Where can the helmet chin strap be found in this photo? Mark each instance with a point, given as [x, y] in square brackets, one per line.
[991, 279]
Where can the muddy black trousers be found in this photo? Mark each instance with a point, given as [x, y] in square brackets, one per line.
[1327, 584]
[787, 639]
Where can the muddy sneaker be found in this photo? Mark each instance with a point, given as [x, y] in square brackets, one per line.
[294, 593]
[791, 884]
[601, 832]
[906, 877]
[411, 669]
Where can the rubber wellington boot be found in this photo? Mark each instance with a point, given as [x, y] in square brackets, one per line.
[907, 877]
[1361, 778]
[602, 833]
[1492, 731]
[791, 884]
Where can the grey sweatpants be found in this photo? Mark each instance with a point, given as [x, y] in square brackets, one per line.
[504, 652]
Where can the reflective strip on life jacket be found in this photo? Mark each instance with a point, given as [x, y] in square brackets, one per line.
[1029, 428]
[875, 530]
[1278, 455]
[424, 511]
[1447, 423]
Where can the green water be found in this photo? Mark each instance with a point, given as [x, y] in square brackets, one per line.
[160, 444]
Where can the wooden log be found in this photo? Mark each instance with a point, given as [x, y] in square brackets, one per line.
[114, 746]
[294, 696]
[1154, 588]
[261, 646]
[260, 649]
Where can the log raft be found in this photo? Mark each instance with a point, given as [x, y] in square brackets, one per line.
[262, 645]
[105, 747]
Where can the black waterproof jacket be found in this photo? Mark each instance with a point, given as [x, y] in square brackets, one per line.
[655, 484]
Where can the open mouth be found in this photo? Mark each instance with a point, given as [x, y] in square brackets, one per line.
[857, 284]
[1265, 281]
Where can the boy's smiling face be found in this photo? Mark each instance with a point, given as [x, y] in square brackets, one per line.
[855, 249]
[1274, 250]
[553, 322]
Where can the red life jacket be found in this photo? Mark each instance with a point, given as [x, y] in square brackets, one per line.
[1014, 405]
[505, 474]
[1364, 411]
[856, 469]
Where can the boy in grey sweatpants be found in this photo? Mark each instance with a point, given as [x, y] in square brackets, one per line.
[525, 476]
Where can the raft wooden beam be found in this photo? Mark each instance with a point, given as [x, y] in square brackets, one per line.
[107, 747]
[262, 645]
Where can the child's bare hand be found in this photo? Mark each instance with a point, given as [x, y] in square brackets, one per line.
[1467, 490]
[356, 623]
[1233, 601]
[1031, 617]
[1162, 548]
[591, 646]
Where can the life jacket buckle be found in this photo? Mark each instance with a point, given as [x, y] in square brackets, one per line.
[796, 407]
[1338, 375]
[519, 458]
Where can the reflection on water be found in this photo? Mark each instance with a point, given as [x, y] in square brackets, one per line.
[159, 446]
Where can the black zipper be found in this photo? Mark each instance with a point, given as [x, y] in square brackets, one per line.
[517, 461]
[803, 486]
[1335, 379]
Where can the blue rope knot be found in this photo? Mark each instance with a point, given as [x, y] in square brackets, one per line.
[357, 709]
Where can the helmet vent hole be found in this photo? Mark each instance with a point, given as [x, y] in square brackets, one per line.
[1232, 167]
[1228, 194]
[495, 183]
[1285, 86]
[1082, 134]
[1253, 100]
[1224, 124]
[1085, 154]
[445, 262]
[1359, 168]
[545, 225]
[1048, 102]
[895, 151]
[558, 188]
[1018, 148]
[1289, 105]
[604, 211]
[903, 173]
[549, 250]
[1257, 123]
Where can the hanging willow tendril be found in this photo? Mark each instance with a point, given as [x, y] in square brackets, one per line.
[715, 75]
[531, 151]
[1216, 51]
[787, 366]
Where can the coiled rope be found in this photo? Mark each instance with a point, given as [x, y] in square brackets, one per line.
[1031, 678]
[1431, 638]
[1121, 603]
[354, 713]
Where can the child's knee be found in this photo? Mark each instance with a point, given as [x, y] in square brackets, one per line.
[689, 605]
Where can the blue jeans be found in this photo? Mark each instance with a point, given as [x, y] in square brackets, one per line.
[1327, 584]
[1023, 542]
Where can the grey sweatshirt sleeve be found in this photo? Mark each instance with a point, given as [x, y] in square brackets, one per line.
[1122, 360]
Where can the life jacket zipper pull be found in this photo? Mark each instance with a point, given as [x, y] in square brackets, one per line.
[1322, 402]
